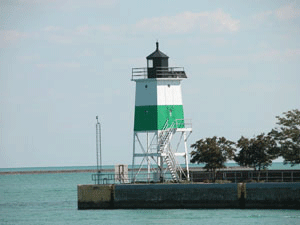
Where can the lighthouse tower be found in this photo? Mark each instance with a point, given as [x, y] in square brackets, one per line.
[159, 117]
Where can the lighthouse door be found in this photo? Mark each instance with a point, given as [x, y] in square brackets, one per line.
[170, 114]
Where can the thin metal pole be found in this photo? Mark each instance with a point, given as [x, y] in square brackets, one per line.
[186, 157]
[100, 149]
[161, 162]
[148, 159]
[133, 155]
[98, 146]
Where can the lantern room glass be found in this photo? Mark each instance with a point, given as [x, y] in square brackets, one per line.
[150, 63]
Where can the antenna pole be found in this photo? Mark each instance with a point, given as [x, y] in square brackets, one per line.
[98, 146]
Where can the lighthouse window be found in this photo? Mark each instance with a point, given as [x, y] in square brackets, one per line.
[168, 85]
[146, 86]
[150, 63]
[170, 112]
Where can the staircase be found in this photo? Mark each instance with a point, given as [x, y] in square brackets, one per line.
[164, 139]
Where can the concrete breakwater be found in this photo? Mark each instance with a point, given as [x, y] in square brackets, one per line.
[168, 196]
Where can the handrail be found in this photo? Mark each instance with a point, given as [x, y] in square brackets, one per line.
[183, 123]
[200, 176]
[166, 125]
[143, 177]
[159, 72]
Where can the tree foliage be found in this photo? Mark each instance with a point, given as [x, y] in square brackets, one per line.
[257, 152]
[214, 152]
[288, 136]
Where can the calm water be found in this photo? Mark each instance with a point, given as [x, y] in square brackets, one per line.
[52, 199]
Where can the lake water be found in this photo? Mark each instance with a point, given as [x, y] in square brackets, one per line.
[52, 199]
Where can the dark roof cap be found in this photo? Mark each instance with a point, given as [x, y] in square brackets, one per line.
[157, 54]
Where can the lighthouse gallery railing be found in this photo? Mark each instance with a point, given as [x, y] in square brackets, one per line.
[160, 72]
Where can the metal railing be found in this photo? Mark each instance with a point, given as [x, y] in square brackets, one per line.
[199, 176]
[141, 177]
[158, 72]
[183, 123]
[247, 176]
[178, 123]
[139, 73]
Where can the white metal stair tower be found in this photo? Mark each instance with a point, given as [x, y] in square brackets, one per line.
[164, 148]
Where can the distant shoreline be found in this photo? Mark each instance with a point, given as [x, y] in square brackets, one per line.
[52, 171]
[91, 171]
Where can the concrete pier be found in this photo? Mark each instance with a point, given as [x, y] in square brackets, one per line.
[273, 195]
[95, 196]
[170, 196]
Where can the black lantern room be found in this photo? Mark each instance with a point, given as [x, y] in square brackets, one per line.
[158, 66]
[157, 61]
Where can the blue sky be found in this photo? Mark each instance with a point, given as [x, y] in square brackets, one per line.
[64, 62]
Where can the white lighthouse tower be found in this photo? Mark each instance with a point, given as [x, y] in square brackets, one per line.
[158, 119]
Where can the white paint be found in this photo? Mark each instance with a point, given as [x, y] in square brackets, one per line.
[158, 92]
[169, 92]
[146, 95]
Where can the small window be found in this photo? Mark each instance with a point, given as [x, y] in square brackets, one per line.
[169, 85]
[146, 86]
[150, 63]
[170, 112]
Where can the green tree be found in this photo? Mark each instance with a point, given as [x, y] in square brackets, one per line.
[257, 152]
[214, 152]
[288, 136]
[245, 156]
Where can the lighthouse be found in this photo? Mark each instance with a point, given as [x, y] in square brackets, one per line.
[158, 118]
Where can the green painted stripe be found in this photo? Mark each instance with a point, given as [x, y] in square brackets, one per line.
[145, 118]
[170, 113]
[154, 117]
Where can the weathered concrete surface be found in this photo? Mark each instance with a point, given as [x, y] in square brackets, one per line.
[273, 195]
[159, 196]
[95, 196]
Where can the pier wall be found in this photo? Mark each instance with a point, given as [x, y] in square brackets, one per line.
[95, 196]
[176, 196]
[168, 196]
[273, 195]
